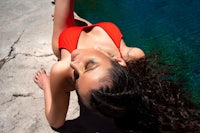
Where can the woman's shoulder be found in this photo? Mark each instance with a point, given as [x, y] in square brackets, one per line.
[130, 53]
[60, 67]
[63, 65]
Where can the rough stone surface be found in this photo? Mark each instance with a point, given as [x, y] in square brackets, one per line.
[25, 47]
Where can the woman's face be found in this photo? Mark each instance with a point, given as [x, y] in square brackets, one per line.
[90, 66]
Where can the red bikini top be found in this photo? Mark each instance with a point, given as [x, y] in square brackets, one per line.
[68, 39]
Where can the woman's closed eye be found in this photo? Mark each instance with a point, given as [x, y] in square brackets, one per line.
[89, 65]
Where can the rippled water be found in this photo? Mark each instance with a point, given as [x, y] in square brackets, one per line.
[171, 27]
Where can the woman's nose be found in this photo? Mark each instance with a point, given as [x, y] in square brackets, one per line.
[78, 67]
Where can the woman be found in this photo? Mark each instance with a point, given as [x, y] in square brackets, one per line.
[89, 58]
[112, 79]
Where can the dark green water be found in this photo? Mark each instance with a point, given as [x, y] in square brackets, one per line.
[171, 27]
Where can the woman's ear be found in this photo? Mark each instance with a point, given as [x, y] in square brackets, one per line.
[120, 61]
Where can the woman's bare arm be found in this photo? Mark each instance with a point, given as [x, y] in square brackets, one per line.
[61, 84]
[63, 18]
[60, 75]
[57, 109]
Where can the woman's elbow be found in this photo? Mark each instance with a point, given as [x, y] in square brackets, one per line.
[56, 123]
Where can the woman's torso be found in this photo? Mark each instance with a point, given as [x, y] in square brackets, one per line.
[105, 36]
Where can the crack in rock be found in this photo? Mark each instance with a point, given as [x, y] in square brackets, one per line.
[22, 95]
[26, 54]
[11, 55]
[15, 42]
[16, 95]
[8, 58]
[2, 62]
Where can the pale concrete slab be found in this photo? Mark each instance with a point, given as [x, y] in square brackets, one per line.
[25, 47]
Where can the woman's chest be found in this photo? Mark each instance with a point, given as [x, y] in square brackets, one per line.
[95, 37]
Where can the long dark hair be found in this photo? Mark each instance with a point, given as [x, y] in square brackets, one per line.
[146, 98]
